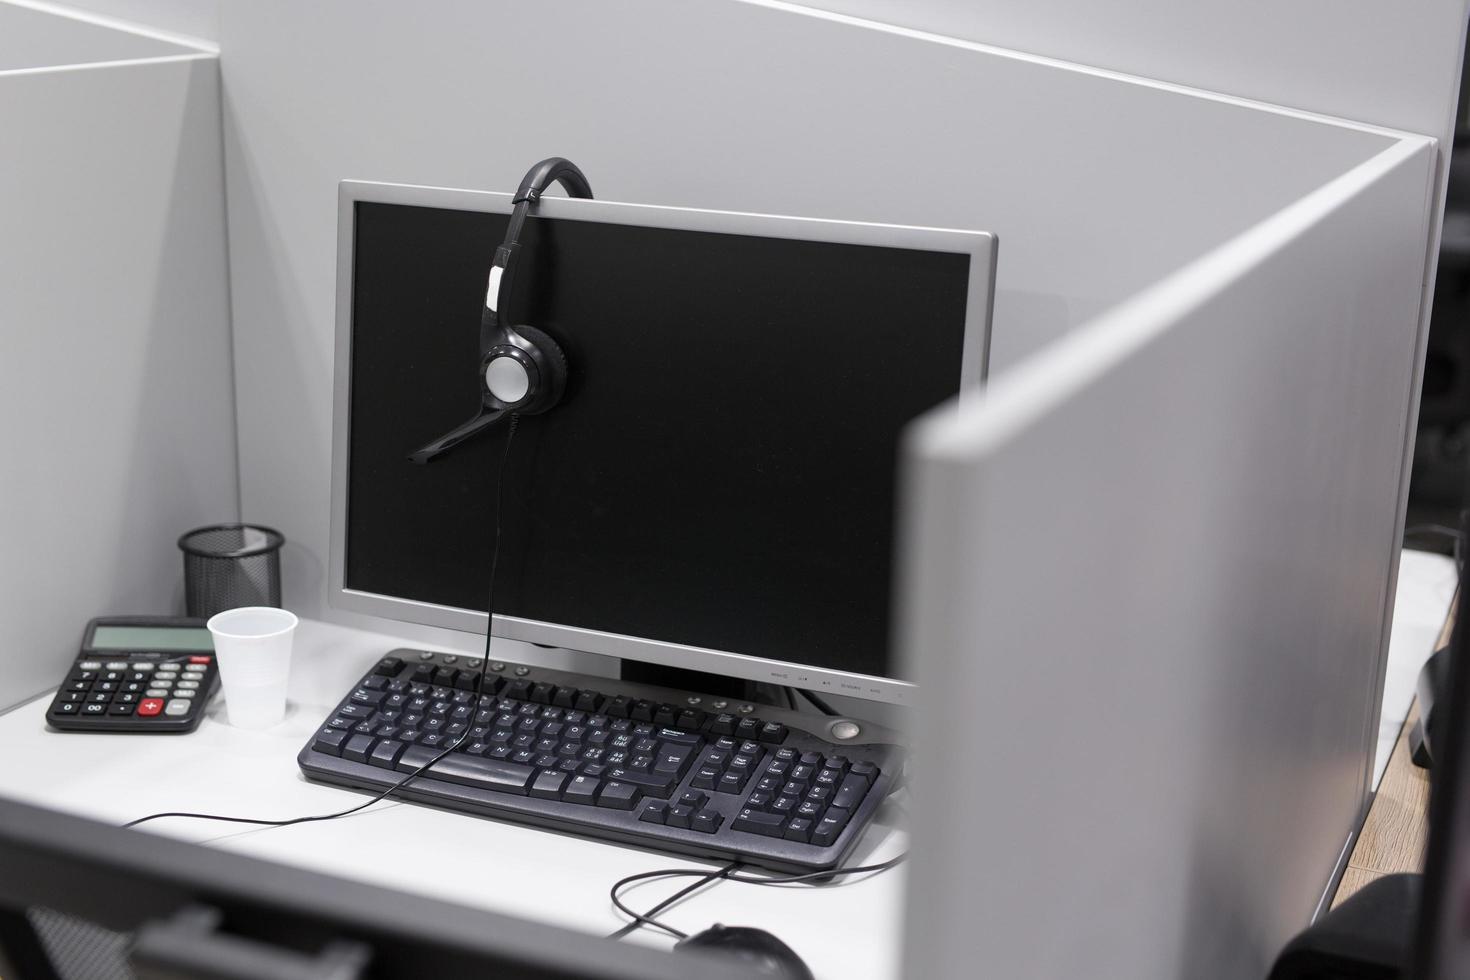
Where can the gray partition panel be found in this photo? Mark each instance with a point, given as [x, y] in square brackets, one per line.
[1146, 588]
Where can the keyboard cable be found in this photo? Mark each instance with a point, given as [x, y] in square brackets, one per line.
[728, 873]
[454, 744]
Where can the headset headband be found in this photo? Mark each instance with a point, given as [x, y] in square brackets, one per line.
[537, 179]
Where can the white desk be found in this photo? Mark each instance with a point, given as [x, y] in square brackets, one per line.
[843, 930]
[1426, 588]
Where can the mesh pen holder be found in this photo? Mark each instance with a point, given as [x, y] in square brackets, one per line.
[227, 566]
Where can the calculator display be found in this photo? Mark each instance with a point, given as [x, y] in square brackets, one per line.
[151, 638]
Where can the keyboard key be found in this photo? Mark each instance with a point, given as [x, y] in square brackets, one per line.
[651, 783]
[695, 799]
[443, 677]
[690, 718]
[772, 732]
[706, 821]
[93, 708]
[357, 711]
[388, 667]
[416, 757]
[799, 829]
[587, 700]
[730, 783]
[619, 796]
[642, 710]
[618, 707]
[705, 778]
[66, 707]
[851, 793]
[581, 789]
[469, 770]
[176, 707]
[829, 828]
[654, 813]
[385, 754]
[757, 822]
[120, 709]
[723, 725]
[358, 747]
[865, 769]
[673, 760]
[665, 714]
[541, 693]
[548, 785]
[565, 697]
[679, 816]
[149, 707]
[372, 683]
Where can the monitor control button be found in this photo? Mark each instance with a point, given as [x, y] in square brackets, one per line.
[745, 709]
[522, 671]
[845, 730]
[450, 658]
[425, 655]
[497, 666]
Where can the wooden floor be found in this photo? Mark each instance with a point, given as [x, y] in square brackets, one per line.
[1397, 827]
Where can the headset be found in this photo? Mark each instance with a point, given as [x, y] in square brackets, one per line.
[522, 370]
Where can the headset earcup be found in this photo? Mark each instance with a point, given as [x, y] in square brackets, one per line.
[556, 362]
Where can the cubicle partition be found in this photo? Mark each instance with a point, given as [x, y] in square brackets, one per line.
[1154, 566]
[116, 392]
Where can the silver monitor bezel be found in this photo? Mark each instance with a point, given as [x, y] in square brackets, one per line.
[979, 246]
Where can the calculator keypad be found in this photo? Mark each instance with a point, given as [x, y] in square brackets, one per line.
[147, 691]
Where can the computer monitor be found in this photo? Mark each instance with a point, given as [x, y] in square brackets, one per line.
[82, 899]
[716, 489]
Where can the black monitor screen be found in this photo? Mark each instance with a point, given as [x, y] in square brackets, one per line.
[721, 470]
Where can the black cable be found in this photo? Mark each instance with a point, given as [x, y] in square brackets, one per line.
[728, 874]
[819, 702]
[479, 686]
[647, 918]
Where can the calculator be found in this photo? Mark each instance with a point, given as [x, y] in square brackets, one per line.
[138, 674]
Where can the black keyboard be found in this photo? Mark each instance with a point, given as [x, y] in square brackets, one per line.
[665, 769]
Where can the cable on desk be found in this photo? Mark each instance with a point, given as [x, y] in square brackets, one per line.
[647, 918]
[479, 686]
[728, 874]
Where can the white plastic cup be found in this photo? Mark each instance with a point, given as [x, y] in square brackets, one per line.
[252, 646]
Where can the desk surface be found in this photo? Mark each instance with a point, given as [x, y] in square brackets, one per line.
[851, 929]
[841, 930]
[1397, 826]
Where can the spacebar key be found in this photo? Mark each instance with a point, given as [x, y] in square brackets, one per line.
[467, 770]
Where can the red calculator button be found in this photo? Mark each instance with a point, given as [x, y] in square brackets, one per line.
[198, 660]
[148, 707]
